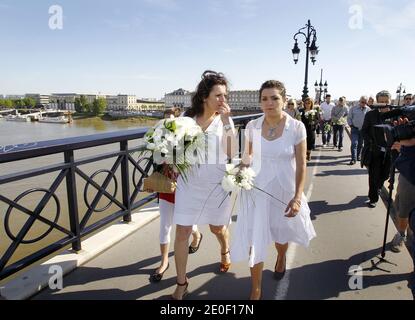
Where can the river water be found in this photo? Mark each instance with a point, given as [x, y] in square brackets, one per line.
[25, 132]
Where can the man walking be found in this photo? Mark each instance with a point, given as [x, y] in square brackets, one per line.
[355, 120]
[339, 120]
[374, 139]
[326, 108]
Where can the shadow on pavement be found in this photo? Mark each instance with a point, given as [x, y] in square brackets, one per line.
[353, 172]
[330, 278]
[317, 281]
[322, 207]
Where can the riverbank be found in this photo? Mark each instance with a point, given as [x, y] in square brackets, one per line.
[107, 117]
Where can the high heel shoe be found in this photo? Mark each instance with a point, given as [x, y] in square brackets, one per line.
[185, 292]
[157, 276]
[280, 275]
[194, 249]
[224, 266]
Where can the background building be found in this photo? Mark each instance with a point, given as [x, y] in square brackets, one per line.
[179, 98]
[121, 102]
[41, 99]
[244, 100]
[150, 105]
[63, 101]
[14, 96]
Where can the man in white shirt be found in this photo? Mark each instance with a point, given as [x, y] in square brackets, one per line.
[326, 108]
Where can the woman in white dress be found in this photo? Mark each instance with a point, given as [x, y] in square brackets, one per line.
[275, 147]
[199, 196]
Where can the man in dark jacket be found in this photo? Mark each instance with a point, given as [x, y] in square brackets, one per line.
[374, 140]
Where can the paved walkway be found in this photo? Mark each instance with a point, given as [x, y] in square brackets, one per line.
[348, 234]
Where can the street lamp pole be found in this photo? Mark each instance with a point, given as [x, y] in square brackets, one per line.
[320, 87]
[310, 34]
[399, 92]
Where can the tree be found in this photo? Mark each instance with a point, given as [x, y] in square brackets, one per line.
[17, 103]
[78, 106]
[8, 103]
[29, 102]
[99, 106]
[84, 104]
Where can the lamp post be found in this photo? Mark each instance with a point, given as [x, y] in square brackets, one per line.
[401, 90]
[310, 34]
[320, 87]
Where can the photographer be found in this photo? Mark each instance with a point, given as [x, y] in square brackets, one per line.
[405, 201]
[376, 148]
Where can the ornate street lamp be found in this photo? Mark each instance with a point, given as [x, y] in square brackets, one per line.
[320, 87]
[310, 34]
[400, 91]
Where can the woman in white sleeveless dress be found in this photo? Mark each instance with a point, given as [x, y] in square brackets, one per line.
[199, 196]
[276, 150]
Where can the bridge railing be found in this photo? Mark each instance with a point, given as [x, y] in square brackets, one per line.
[81, 212]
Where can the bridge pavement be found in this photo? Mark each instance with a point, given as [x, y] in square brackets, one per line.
[348, 234]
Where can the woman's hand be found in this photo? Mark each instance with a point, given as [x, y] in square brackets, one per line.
[293, 208]
[224, 112]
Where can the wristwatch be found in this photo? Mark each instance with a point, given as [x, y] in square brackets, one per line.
[227, 127]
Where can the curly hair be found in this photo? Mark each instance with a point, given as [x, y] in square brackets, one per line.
[205, 86]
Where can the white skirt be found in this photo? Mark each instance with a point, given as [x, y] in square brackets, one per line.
[201, 200]
[261, 222]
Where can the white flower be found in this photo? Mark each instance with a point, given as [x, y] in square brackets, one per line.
[246, 185]
[151, 146]
[248, 174]
[173, 138]
[229, 183]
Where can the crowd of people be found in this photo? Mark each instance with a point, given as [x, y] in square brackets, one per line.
[280, 143]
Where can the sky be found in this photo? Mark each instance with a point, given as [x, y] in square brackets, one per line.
[152, 47]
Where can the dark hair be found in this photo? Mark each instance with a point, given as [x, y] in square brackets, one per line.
[273, 84]
[209, 80]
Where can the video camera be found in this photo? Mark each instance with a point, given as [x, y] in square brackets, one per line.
[401, 132]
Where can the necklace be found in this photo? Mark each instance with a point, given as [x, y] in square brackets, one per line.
[272, 130]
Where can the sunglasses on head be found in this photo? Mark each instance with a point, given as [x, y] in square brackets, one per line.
[210, 74]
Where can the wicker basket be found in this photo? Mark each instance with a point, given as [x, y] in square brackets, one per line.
[157, 182]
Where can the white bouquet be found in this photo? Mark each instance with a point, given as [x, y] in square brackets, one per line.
[311, 114]
[236, 178]
[176, 144]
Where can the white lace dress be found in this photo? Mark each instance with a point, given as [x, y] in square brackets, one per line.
[261, 218]
[201, 200]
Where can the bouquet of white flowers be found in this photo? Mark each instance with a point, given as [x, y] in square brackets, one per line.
[311, 114]
[340, 122]
[236, 178]
[176, 144]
